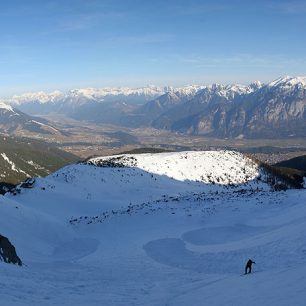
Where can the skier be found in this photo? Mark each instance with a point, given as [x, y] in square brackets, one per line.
[248, 267]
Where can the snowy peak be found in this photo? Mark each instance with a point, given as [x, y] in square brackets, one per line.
[5, 107]
[256, 85]
[97, 93]
[288, 81]
[227, 92]
[88, 93]
[12, 121]
[40, 97]
[100, 94]
[150, 92]
[230, 91]
[189, 90]
[256, 110]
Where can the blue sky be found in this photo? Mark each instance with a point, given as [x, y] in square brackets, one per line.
[47, 45]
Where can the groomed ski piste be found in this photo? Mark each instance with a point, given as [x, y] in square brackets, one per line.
[170, 229]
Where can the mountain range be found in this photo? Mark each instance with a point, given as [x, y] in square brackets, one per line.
[15, 122]
[258, 110]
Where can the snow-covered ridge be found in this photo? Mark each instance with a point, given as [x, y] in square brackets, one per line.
[88, 93]
[211, 167]
[289, 81]
[288, 87]
[112, 185]
[6, 107]
[230, 91]
[149, 92]
[109, 91]
[115, 183]
[188, 90]
[40, 97]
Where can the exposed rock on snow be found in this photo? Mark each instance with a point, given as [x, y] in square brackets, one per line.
[8, 252]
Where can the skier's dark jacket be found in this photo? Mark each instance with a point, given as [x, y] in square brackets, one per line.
[249, 263]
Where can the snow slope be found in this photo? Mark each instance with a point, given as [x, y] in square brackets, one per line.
[155, 229]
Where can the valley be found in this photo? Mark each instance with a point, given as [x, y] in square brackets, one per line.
[90, 139]
[102, 121]
[83, 139]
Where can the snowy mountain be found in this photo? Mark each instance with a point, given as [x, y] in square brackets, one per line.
[288, 83]
[147, 113]
[155, 229]
[99, 94]
[257, 110]
[106, 105]
[39, 97]
[210, 95]
[41, 102]
[13, 120]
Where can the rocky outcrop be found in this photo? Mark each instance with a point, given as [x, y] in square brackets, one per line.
[8, 252]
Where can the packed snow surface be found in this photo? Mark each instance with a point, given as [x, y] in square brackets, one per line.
[155, 229]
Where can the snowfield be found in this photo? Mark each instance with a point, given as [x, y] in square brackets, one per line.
[155, 229]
